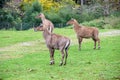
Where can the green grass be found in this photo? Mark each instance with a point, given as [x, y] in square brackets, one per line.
[19, 61]
[12, 37]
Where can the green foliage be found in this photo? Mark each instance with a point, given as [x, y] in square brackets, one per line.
[33, 9]
[95, 23]
[110, 22]
[9, 15]
[6, 19]
[21, 15]
[66, 13]
[54, 17]
[3, 2]
[30, 14]
[116, 13]
[61, 17]
[90, 12]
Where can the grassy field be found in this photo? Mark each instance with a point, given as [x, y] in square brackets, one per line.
[24, 56]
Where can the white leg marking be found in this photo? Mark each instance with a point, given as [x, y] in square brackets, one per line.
[67, 44]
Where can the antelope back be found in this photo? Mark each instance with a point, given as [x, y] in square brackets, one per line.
[72, 21]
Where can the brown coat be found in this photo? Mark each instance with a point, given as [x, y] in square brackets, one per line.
[85, 32]
[46, 23]
[55, 41]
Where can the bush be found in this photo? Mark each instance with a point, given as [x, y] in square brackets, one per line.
[95, 23]
[23, 26]
[60, 18]
[112, 22]
[90, 12]
[30, 13]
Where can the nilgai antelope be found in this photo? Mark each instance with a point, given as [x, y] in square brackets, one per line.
[46, 23]
[55, 41]
[85, 32]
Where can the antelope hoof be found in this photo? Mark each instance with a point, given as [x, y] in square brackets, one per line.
[60, 64]
[64, 63]
[52, 62]
[99, 47]
[94, 48]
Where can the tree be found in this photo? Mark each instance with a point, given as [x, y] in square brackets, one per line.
[9, 14]
[106, 7]
[31, 11]
[2, 2]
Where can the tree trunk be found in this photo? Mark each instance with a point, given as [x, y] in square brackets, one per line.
[106, 8]
[82, 3]
[76, 1]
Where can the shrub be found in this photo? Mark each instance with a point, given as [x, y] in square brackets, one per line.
[112, 22]
[30, 13]
[90, 12]
[95, 23]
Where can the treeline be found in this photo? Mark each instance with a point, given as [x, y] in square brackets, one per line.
[20, 14]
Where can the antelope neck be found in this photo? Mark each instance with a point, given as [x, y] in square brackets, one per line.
[46, 34]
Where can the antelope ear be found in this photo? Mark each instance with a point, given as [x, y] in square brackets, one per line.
[41, 25]
[40, 13]
[74, 20]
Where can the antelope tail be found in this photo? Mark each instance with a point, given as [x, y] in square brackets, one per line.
[67, 44]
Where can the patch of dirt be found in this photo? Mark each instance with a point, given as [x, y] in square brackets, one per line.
[19, 49]
[9, 56]
[111, 33]
[6, 37]
[26, 44]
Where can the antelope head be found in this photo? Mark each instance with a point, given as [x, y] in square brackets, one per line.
[71, 21]
[38, 28]
[41, 15]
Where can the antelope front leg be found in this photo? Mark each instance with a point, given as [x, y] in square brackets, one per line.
[61, 63]
[98, 43]
[51, 56]
[66, 56]
[79, 41]
[94, 44]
